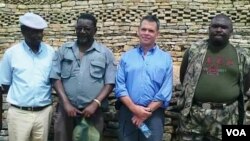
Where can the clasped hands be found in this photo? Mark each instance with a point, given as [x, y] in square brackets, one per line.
[140, 115]
[86, 112]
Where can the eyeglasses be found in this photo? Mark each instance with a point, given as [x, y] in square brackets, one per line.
[79, 29]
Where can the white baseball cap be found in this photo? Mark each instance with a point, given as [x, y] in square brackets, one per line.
[33, 21]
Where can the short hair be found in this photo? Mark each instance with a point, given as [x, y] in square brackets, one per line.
[151, 18]
[24, 27]
[224, 17]
[88, 16]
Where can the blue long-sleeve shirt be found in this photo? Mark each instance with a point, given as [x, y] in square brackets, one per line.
[145, 78]
[27, 74]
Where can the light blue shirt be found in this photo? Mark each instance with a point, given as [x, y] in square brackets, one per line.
[27, 74]
[145, 78]
[83, 79]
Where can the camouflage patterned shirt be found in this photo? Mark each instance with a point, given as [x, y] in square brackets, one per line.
[197, 53]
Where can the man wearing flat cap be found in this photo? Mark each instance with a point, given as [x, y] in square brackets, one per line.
[25, 69]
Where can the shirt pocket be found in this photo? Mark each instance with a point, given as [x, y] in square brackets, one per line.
[97, 69]
[67, 65]
[159, 74]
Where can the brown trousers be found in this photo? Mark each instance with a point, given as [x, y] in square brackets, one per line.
[64, 125]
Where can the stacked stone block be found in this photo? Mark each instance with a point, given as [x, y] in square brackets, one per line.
[182, 23]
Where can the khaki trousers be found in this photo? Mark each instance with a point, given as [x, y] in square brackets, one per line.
[29, 125]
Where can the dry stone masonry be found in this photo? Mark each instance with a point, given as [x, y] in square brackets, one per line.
[182, 23]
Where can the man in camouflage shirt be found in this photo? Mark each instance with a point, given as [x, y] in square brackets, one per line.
[215, 77]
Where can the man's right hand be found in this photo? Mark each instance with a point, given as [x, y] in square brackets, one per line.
[140, 115]
[142, 112]
[139, 111]
[71, 110]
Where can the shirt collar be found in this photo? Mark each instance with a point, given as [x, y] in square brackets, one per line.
[93, 46]
[152, 50]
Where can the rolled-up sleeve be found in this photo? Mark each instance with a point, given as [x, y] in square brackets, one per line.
[6, 71]
[111, 68]
[165, 92]
[120, 81]
[56, 66]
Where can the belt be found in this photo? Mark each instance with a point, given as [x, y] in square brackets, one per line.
[212, 105]
[30, 108]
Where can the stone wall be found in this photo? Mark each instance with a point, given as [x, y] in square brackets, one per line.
[182, 23]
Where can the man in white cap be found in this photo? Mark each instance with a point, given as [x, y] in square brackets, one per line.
[24, 75]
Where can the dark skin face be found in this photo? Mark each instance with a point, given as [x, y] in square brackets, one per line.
[220, 31]
[85, 31]
[33, 37]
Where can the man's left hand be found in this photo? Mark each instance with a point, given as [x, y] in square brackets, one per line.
[90, 109]
[137, 121]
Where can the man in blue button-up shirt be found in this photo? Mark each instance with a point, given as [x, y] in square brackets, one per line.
[24, 75]
[144, 85]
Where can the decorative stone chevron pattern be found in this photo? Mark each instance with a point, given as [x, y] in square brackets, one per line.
[182, 21]
[126, 14]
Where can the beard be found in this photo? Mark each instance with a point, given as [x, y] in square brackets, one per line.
[218, 40]
[33, 42]
[36, 44]
[84, 40]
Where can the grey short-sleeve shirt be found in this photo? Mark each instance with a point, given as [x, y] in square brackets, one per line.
[83, 78]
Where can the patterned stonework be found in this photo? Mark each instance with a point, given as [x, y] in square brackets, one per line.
[182, 23]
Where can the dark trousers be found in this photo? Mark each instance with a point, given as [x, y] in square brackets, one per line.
[64, 125]
[129, 132]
